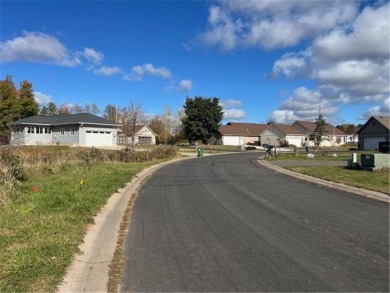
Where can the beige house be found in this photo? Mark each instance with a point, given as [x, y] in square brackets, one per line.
[234, 133]
[333, 136]
[278, 134]
[143, 135]
[374, 131]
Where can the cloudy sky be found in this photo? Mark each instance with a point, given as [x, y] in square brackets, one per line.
[281, 60]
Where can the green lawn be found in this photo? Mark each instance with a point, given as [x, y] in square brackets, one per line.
[327, 155]
[377, 181]
[41, 231]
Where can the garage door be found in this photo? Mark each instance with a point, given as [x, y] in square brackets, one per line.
[232, 140]
[98, 138]
[371, 143]
[144, 140]
[297, 141]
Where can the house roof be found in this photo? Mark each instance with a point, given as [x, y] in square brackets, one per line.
[243, 129]
[384, 120]
[64, 119]
[329, 128]
[138, 127]
[288, 129]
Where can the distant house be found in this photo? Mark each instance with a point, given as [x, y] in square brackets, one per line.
[333, 136]
[374, 131]
[72, 129]
[277, 134]
[241, 133]
[143, 135]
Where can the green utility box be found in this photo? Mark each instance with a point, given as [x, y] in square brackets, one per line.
[375, 161]
[200, 152]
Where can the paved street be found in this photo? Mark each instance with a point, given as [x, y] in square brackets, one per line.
[224, 223]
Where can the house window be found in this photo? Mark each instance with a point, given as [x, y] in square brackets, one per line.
[48, 130]
[30, 129]
[72, 131]
[62, 131]
[39, 129]
[18, 130]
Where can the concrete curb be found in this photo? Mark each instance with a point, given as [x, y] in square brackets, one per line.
[89, 270]
[359, 191]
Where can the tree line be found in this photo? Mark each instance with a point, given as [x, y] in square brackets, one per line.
[198, 120]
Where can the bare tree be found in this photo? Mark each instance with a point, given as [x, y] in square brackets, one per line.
[91, 108]
[133, 117]
[76, 108]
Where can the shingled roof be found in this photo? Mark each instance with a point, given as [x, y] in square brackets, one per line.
[64, 119]
[288, 129]
[384, 120]
[242, 129]
[329, 128]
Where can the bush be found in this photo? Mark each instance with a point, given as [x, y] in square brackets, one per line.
[284, 143]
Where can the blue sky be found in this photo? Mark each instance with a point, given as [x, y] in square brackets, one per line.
[279, 60]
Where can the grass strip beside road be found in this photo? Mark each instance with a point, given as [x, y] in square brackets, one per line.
[40, 231]
[342, 155]
[377, 181]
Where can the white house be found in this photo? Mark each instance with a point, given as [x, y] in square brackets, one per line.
[234, 133]
[70, 129]
[333, 136]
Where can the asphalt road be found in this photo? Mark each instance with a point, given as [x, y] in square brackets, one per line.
[224, 223]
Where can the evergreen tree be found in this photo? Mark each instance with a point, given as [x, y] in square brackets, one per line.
[202, 118]
[52, 108]
[28, 105]
[9, 108]
[319, 131]
[44, 110]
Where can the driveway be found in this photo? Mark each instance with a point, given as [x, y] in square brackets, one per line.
[225, 223]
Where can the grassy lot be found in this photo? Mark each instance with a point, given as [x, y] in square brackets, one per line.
[44, 219]
[377, 181]
[322, 155]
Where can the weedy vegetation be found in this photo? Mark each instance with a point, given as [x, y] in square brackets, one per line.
[48, 197]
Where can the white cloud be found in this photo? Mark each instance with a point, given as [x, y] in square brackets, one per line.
[380, 110]
[92, 55]
[303, 104]
[291, 65]
[42, 98]
[283, 116]
[230, 104]
[231, 109]
[272, 24]
[37, 47]
[234, 114]
[366, 38]
[107, 70]
[138, 72]
[350, 64]
[184, 86]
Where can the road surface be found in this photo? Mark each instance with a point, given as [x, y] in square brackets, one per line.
[224, 223]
